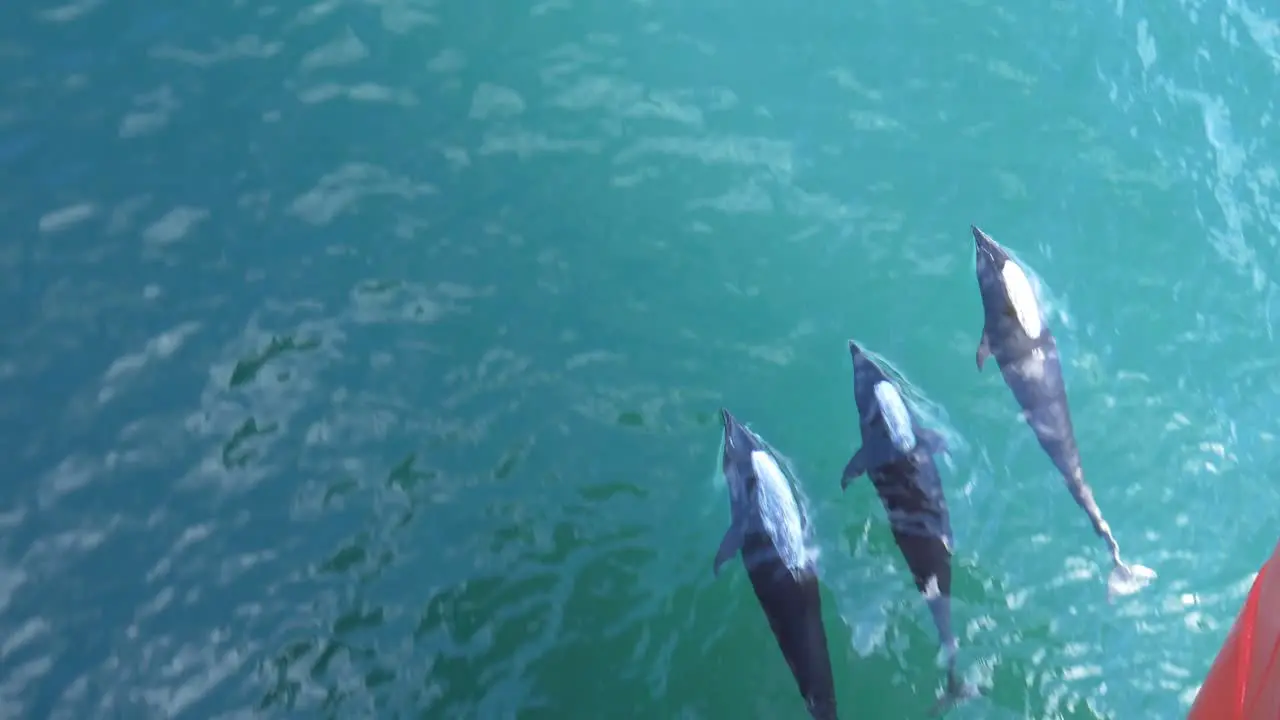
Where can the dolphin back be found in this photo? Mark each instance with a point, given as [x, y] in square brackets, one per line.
[897, 418]
[922, 410]
[908, 418]
[780, 512]
[1026, 305]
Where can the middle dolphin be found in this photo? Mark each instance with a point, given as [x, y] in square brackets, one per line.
[897, 453]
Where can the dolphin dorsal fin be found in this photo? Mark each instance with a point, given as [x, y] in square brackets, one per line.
[931, 441]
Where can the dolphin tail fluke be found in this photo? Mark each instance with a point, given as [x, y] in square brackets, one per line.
[1127, 579]
[957, 692]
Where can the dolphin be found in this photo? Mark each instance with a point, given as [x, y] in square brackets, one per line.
[1015, 333]
[897, 454]
[768, 529]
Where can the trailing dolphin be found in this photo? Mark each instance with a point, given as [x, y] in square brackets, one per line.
[1014, 332]
[897, 454]
[768, 529]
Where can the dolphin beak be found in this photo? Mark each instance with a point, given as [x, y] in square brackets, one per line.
[854, 350]
[730, 422]
[730, 426]
[981, 239]
[986, 248]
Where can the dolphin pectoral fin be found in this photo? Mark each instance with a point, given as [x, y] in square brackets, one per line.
[857, 466]
[984, 349]
[932, 442]
[865, 460]
[730, 545]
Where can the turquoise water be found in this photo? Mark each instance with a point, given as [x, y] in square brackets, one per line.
[364, 359]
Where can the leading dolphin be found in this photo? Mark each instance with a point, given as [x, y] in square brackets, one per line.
[1014, 332]
[768, 530]
[897, 454]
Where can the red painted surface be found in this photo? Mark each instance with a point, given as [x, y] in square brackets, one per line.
[1244, 681]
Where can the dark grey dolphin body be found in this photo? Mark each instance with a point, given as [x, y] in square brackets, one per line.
[1014, 332]
[897, 454]
[768, 530]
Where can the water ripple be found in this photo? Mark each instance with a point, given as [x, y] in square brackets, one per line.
[363, 358]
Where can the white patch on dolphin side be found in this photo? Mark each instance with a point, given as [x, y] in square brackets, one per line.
[779, 511]
[1023, 299]
[931, 590]
[896, 417]
[1032, 366]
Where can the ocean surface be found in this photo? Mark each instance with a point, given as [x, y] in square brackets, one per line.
[364, 359]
